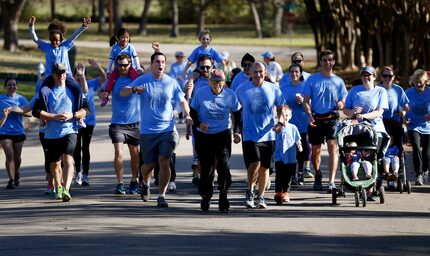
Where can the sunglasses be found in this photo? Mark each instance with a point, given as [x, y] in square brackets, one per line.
[123, 65]
[366, 75]
[205, 67]
[297, 61]
[387, 76]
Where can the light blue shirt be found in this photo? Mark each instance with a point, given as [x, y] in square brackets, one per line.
[215, 110]
[13, 124]
[286, 77]
[60, 100]
[117, 50]
[125, 110]
[419, 103]
[299, 117]
[324, 92]
[397, 100]
[156, 103]
[176, 70]
[285, 145]
[369, 100]
[200, 51]
[93, 86]
[238, 80]
[257, 104]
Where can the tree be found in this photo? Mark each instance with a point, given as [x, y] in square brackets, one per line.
[175, 19]
[144, 18]
[117, 14]
[278, 14]
[53, 10]
[256, 16]
[102, 15]
[10, 20]
[202, 13]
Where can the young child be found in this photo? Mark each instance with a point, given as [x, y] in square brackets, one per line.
[176, 71]
[205, 39]
[121, 43]
[391, 157]
[355, 158]
[56, 51]
[287, 143]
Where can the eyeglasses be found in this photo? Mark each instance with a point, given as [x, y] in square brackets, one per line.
[205, 67]
[297, 61]
[123, 65]
[366, 75]
[387, 76]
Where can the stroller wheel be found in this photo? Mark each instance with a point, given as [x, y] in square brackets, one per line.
[400, 186]
[363, 197]
[334, 196]
[381, 195]
[408, 187]
[357, 198]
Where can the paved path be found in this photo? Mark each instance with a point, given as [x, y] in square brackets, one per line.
[98, 222]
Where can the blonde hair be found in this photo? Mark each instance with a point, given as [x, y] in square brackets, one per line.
[419, 73]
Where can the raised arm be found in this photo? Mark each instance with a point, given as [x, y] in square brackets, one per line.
[78, 32]
[32, 29]
[80, 77]
[102, 73]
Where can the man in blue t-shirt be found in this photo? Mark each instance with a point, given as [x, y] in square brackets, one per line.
[124, 127]
[258, 98]
[158, 135]
[325, 94]
[56, 106]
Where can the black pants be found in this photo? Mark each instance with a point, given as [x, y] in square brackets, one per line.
[214, 151]
[83, 144]
[284, 172]
[45, 152]
[420, 151]
[305, 154]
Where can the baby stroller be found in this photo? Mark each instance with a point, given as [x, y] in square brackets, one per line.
[403, 185]
[365, 137]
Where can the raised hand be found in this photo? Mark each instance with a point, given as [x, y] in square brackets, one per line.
[86, 22]
[32, 21]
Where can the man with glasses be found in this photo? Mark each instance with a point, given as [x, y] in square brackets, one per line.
[243, 76]
[124, 127]
[325, 94]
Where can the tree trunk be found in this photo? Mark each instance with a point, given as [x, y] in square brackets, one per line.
[312, 16]
[117, 14]
[175, 19]
[202, 14]
[93, 9]
[144, 19]
[53, 10]
[258, 31]
[102, 15]
[10, 20]
[279, 12]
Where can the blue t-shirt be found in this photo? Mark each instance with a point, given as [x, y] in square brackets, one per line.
[238, 80]
[59, 100]
[299, 117]
[286, 77]
[56, 55]
[285, 145]
[200, 51]
[156, 103]
[176, 70]
[117, 50]
[215, 110]
[258, 103]
[125, 110]
[93, 86]
[200, 82]
[324, 92]
[419, 103]
[13, 124]
[392, 151]
[397, 100]
[369, 100]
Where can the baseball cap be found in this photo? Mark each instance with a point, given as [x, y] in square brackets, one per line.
[179, 54]
[368, 69]
[58, 68]
[267, 55]
[217, 75]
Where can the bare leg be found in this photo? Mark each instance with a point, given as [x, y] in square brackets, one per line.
[263, 177]
[7, 146]
[316, 157]
[164, 174]
[252, 175]
[333, 159]
[118, 164]
[68, 170]
[134, 161]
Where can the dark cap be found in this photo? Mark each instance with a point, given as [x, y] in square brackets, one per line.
[247, 57]
[58, 68]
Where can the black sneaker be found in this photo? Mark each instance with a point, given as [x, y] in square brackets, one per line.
[17, 179]
[161, 202]
[223, 204]
[120, 189]
[145, 193]
[301, 178]
[294, 181]
[134, 187]
[11, 184]
[318, 183]
[205, 204]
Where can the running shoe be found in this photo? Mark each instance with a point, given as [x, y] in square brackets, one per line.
[278, 198]
[205, 203]
[145, 193]
[120, 189]
[85, 180]
[161, 202]
[261, 202]
[318, 183]
[331, 186]
[249, 201]
[223, 204]
[134, 187]
[172, 186]
[301, 178]
[420, 180]
[79, 178]
[285, 198]
[11, 184]
[308, 174]
[59, 194]
[66, 195]
[50, 191]
[294, 181]
[17, 178]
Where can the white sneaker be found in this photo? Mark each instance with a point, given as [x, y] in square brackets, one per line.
[331, 186]
[172, 186]
[79, 178]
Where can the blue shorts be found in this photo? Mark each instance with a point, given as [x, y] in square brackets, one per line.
[160, 144]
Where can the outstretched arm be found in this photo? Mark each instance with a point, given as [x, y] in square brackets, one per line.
[78, 32]
[32, 29]
[80, 77]
[102, 73]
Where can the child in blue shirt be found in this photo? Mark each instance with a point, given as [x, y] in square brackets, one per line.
[287, 144]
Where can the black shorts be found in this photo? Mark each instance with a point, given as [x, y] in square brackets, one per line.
[258, 152]
[125, 133]
[58, 147]
[14, 138]
[325, 130]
